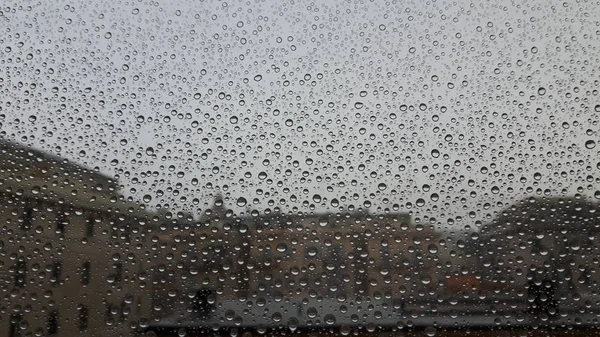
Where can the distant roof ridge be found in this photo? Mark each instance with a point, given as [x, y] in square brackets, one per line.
[15, 146]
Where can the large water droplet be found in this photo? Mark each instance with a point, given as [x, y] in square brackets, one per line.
[241, 202]
[590, 144]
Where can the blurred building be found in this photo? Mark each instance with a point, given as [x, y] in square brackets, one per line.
[276, 256]
[71, 249]
[551, 241]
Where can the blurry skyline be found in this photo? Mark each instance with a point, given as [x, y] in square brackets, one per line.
[435, 107]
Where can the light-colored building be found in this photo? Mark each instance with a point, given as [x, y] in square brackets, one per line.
[72, 251]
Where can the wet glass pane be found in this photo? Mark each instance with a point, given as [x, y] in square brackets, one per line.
[377, 168]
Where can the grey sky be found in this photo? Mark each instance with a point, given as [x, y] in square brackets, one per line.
[373, 88]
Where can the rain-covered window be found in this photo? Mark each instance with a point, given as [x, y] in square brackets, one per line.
[348, 168]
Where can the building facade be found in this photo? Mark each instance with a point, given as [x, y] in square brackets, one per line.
[71, 250]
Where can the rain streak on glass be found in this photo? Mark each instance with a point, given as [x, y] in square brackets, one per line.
[299, 168]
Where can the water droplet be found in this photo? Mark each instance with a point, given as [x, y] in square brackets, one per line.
[241, 202]
[590, 144]
[542, 91]
[107, 35]
[430, 331]
[382, 186]
[281, 247]
[359, 105]
[316, 198]
[257, 78]
[293, 323]
[147, 198]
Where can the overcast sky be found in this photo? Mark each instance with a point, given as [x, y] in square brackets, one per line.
[438, 107]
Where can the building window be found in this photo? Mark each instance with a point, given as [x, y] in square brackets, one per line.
[89, 229]
[61, 222]
[125, 310]
[109, 312]
[13, 327]
[52, 324]
[27, 218]
[85, 273]
[56, 272]
[360, 267]
[536, 246]
[21, 274]
[83, 317]
[118, 272]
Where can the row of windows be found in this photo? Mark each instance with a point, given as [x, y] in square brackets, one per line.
[52, 321]
[28, 216]
[56, 271]
[83, 313]
[61, 222]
